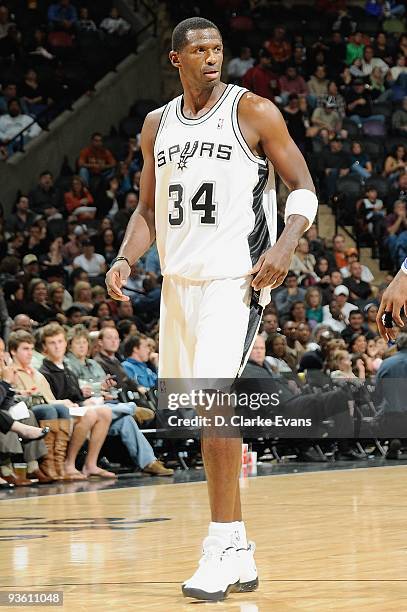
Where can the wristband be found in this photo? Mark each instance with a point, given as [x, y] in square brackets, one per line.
[120, 258]
[404, 266]
[302, 202]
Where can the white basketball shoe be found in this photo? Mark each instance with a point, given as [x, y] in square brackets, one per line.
[217, 574]
[248, 577]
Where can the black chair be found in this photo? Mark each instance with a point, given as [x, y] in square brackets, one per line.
[353, 130]
[349, 190]
[380, 184]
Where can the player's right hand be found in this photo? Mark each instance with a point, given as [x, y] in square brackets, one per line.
[116, 278]
[393, 300]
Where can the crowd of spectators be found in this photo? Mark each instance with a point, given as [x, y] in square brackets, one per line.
[50, 54]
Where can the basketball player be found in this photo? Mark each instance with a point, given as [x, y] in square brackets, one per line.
[207, 196]
[393, 300]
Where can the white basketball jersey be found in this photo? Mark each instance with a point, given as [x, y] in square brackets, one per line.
[215, 201]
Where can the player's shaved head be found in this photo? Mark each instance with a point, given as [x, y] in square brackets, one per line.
[180, 32]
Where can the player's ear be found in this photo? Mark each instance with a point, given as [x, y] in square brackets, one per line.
[174, 59]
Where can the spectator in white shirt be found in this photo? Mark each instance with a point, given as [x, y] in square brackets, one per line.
[369, 62]
[351, 255]
[15, 122]
[93, 263]
[341, 294]
[114, 24]
[238, 66]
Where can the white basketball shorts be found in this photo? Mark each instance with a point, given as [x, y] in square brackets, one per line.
[207, 328]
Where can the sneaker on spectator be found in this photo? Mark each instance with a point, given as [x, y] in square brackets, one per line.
[157, 468]
[143, 414]
[217, 574]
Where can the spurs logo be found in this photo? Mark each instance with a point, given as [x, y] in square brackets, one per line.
[187, 152]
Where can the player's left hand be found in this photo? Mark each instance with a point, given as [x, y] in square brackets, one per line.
[272, 267]
[393, 300]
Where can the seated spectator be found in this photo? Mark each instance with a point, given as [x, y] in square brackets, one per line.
[93, 263]
[351, 256]
[289, 294]
[38, 307]
[85, 24]
[359, 290]
[22, 217]
[400, 69]
[14, 296]
[336, 163]
[360, 162]
[82, 295]
[382, 48]
[96, 418]
[370, 311]
[399, 119]
[79, 200]
[356, 326]
[34, 94]
[10, 37]
[326, 117]
[136, 353]
[341, 365]
[356, 69]
[294, 347]
[359, 103]
[302, 262]
[44, 199]
[9, 92]
[14, 123]
[56, 296]
[318, 85]
[62, 15]
[322, 271]
[333, 93]
[316, 243]
[122, 217]
[333, 317]
[296, 120]
[395, 163]
[269, 324]
[304, 337]
[292, 82]
[115, 25]
[370, 214]
[341, 295]
[313, 302]
[378, 86]
[336, 52]
[260, 79]
[396, 229]
[74, 315]
[369, 62]
[107, 245]
[96, 160]
[357, 349]
[238, 66]
[297, 312]
[354, 48]
[108, 197]
[277, 355]
[39, 47]
[279, 47]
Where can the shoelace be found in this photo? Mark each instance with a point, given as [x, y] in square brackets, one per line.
[212, 552]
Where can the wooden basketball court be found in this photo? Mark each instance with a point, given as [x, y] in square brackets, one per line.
[330, 540]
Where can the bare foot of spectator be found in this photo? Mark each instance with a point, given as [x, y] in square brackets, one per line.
[97, 472]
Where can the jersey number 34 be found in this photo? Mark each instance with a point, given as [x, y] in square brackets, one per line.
[202, 203]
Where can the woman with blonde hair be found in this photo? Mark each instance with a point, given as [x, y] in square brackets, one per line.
[313, 302]
[82, 295]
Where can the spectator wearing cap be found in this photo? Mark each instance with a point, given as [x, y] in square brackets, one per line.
[31, 268]
[359, 104]
[333, 316]
[238, 66]
[289, 294]
[370, 312]
[351, 256]
[341, 295]
[292, 82]
[326, 117]
[279, 47]
[96, 160]
[359, 290]
[356, 326]
[93, 263]
[261, 79]
[336, 163]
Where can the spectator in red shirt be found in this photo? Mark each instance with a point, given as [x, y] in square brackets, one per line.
[292, 82]
[261, 79]
[279, 47]
[79, 200]
[96, 160]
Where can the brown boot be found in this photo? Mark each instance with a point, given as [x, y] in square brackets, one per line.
[47, 464]
[157, 468]
[61, 444]
[39, 475]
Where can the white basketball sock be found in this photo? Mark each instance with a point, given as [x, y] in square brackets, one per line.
[232, 534]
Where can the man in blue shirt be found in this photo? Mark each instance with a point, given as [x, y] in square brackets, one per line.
[62, 15]
[137, 352]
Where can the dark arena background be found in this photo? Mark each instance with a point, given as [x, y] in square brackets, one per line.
[108, 510]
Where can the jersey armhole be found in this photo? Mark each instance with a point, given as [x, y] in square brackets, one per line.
[238, 132]
[161, 122]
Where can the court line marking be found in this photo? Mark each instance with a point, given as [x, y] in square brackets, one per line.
[195, 482]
